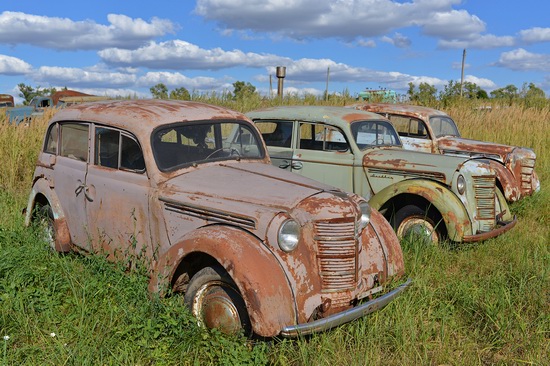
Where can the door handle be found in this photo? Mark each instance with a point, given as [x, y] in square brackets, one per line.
[284, 164]
[83, 187]
[297, 165]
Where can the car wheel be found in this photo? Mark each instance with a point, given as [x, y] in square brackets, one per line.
[216, 302]
[412, 221]
[46, 225]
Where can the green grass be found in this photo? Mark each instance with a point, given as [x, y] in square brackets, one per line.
[481, 304]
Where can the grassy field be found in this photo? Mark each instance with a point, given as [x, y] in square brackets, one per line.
[481, 304]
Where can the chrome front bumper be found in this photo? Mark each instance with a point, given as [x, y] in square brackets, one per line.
[345, 316]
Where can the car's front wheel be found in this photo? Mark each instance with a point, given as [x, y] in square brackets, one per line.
[216, 302]
[44, 219]
[412, 222]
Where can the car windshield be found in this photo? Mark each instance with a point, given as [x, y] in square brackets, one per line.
[374, 133]
[443, 126]
[182, 144]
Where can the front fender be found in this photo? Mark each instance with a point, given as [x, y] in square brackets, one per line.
[508, 182]
[62, 235]
[262, 282]
[455, 215]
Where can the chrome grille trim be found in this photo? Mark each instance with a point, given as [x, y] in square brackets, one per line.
[337, 255]
[484, 189]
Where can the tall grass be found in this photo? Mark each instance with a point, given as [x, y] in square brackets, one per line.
[481, 304]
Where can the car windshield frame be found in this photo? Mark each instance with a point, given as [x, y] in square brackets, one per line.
[182, 144]
[384, 132]
[436, 130]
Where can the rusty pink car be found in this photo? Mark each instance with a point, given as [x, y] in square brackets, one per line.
[430, 130]
[188, 189]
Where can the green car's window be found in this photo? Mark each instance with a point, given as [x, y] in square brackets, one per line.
[443, 126]
[276, 133]
[374, 133]
[321, 137]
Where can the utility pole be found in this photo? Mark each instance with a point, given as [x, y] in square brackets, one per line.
[462, 74]
[326, 89]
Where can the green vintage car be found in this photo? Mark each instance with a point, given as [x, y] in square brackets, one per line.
[436, 196]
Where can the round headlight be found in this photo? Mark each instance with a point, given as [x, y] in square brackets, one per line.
[365, 215]
[288, 236]
[461, 184]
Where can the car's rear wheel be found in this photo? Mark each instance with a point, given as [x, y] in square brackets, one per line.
[412, 222]
[216, 302]
[45, 221]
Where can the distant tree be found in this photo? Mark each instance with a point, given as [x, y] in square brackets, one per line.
[425, 95]
[180, 94]
[533, 96]
[509, 93]
[242, 90]
[159, 91]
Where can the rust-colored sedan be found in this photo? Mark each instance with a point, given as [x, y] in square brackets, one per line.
[429, 130]
[188, 189]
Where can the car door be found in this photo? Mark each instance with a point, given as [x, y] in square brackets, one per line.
[323, 153]
[69, 175]
[414, 133]
[118, 190]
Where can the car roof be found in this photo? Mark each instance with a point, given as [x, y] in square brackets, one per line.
[141, 116]
[327, 114]
[405, 109]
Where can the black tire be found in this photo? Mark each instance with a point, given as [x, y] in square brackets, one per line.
[412, 221]
[215, 301]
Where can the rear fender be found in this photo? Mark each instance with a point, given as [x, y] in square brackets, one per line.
[257, 273]
[453, 212]
[62, 236]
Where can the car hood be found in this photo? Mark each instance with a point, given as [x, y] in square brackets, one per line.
[241, 187]
[462, 146]
[412, 164]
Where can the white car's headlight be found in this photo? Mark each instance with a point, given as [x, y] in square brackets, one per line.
[461, 184]
[289, 235]
[365, 215]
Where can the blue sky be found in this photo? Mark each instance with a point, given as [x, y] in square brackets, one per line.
[123, 47]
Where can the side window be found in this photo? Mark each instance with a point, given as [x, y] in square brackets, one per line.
[74, 141]
[114, 149]
[409, 127]
[277, 133]
[131, 156]
[51, 140]
[107, 143]
[322, 137]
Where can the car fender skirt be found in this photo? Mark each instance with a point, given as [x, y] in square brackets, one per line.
[256, 271]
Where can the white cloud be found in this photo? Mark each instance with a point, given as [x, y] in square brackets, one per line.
[181, 55]
[367, 43]
[486, 41]
[74, 77]
[177, 80]
[398, 40]
[345, 19]
[481, 82]
[66, 34]
[534, 35]
[13, 66]
[522, 60]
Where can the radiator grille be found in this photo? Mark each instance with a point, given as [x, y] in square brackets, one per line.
[527, 167]
[484, 188]
[337, 255]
